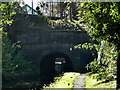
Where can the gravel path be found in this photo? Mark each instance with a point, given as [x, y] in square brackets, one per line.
[80, 81]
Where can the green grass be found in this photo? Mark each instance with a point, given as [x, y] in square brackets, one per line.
[66, 81]
[93, 83]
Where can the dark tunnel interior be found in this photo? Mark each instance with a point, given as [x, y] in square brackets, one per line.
[47, 65]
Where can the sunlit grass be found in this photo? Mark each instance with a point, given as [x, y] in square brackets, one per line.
[66, 81]
[93, 83]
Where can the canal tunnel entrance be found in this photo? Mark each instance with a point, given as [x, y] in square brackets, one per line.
[54, 63]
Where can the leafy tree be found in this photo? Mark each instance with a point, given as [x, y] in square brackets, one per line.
[13, 61]
[102, 21]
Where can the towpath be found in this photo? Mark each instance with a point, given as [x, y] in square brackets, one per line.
[79, 81]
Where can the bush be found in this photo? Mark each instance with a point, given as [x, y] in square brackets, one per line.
[13, 61]
[106, 68]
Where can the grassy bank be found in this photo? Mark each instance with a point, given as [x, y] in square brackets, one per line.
[93, 83]
[66, 81]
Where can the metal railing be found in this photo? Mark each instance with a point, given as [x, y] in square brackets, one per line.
[53, 9]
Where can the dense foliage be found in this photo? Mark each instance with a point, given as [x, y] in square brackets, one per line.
[13, 61]
[101, 21]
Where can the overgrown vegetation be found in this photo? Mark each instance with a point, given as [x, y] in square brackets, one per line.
[102, 20]
[93, 83]
[13, 61]
[105, 65]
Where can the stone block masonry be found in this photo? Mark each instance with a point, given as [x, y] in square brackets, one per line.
[43, 45]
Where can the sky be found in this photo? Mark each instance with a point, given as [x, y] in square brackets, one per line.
[29, 2]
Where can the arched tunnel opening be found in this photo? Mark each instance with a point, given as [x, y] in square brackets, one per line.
[54, 63]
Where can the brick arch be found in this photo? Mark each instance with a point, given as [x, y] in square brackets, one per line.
[47, 64]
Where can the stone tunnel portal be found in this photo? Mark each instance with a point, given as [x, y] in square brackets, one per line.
[47, 65]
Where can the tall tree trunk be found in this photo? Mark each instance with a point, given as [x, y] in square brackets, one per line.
[71, 11]
[118, 68]
[61, 8]
[74, 9]
[100, 53]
